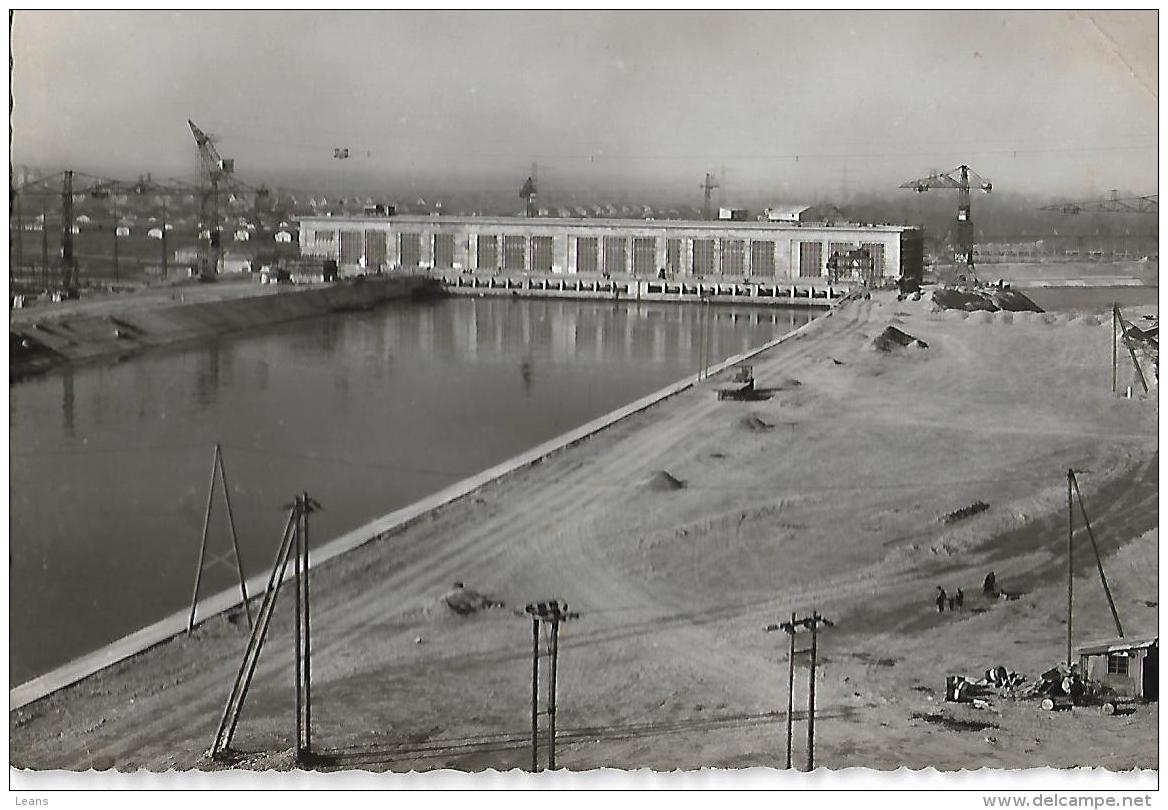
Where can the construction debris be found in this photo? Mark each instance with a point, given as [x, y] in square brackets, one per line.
[987, 299]
[998, 681]
[892, 338]
[466, 601]
[754, 423]
[966, 511]
[664, 481]
[741, 384]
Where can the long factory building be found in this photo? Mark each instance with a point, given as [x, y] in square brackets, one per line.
[755, 250]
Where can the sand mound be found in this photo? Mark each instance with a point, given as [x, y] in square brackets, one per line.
[753, 423]
[892, 338]
[466, 601]
[1089, 320]
[990, 300]
[1004, 317]
[1014, 301]
[663, 481]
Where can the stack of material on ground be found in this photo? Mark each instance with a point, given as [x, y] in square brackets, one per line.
[663, 481]
[966, 511]
[997, 681]
[990, 299]
[1062, 687]
[892, 338]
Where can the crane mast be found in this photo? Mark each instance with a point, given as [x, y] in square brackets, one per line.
[213, 170]
[69, 280]
[962, 179]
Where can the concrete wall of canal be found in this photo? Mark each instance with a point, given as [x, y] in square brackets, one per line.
[40, 344]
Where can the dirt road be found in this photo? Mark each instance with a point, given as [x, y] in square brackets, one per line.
[827, 495]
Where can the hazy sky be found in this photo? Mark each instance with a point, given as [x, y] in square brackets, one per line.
[1040, 102]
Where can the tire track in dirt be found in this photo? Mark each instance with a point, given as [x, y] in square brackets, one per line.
[562, 490]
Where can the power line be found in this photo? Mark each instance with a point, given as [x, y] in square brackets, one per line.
[600, 154]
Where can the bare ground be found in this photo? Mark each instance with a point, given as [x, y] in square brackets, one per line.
[838, 507]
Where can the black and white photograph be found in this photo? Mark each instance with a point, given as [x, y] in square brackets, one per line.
[576, 399]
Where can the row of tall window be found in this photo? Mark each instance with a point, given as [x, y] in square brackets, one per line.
[616, 255]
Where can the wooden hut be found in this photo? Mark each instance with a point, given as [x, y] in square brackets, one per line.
[1127, 666]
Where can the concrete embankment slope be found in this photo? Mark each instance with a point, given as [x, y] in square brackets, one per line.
[122, 326]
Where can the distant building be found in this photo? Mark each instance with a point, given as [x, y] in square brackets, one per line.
[734, 214]
[696, 249]
[790, 213]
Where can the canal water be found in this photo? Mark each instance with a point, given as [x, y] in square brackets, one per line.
[367, 411]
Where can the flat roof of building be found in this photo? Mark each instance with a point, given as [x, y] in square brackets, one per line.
[1118, 645]
[582, 222]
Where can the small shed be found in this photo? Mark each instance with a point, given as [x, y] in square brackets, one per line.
[1128, 666]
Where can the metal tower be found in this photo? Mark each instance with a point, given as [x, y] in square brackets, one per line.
[963, 179]
[1148, 204]
[707, 187]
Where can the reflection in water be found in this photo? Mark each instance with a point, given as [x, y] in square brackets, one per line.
[527, 372]
[207, 377]
[369, 411]
[67, 401]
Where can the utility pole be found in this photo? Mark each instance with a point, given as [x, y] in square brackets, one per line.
[1074, 481]
[45, 242]
[811, 623]
[707, 187]
[552, 692]
[1115, 347]
[789, 628]
[116, 273]
[534, 694]
[1070, 560]
[302, 506]
[68, 262]
[293, 541]
[551, 614]
[19, 241]
[164, 256]
[811, 695]
[217, 469]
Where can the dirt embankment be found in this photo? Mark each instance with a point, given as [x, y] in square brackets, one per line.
[833, 495]
[47, 336]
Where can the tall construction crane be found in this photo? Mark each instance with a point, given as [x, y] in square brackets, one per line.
[213, 171]
[529, 193]
[1148, 204]
[707, 188]
[963, 179]
[216, 177]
